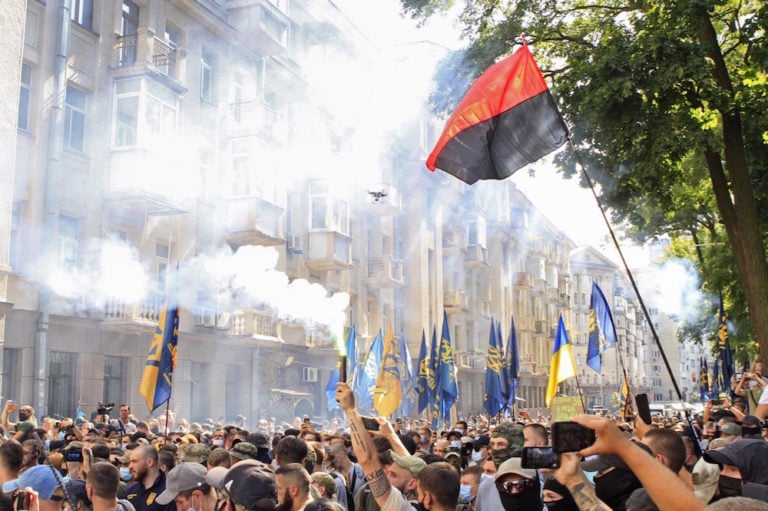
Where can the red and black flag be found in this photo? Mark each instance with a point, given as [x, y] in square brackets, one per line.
[505, 121]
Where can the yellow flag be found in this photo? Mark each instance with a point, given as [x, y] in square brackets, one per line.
[562, 366]
[388, 396]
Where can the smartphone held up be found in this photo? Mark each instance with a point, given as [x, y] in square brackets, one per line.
[570, 436]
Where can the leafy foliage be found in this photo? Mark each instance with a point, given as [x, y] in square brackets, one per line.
[651, 89]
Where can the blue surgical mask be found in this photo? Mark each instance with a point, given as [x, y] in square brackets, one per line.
[461, 431]
[477, 456]
[465, 493]
[486, 477]
[456, 444]
[423, 439]
[125, 474]
[47, 444]
[62, 435]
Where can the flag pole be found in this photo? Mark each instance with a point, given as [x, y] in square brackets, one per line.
[581, 394]
[167, 417]
[632, 281]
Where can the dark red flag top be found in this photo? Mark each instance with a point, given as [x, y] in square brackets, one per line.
[505, 121]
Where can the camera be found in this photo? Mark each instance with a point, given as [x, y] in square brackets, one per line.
[104, 408]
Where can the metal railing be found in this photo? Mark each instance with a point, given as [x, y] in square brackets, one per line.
[125, 50]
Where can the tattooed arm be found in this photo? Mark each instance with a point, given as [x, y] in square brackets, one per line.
[582, 491]
[363, 446]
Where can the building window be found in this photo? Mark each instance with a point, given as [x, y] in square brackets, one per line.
[162, 253]
[14, 237]
[67, 242]
[62, 383]
[74, 119]
[198, 378]
[327, 212]
[145, 111]
[24, 95]
[233, 391]
[206, 77]
[477, 232]
[115, 379]
[11, 373]
[82, 13]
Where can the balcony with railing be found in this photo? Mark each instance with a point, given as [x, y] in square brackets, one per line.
[385, 272]
[253, 323]
[328, 250]
[256, 117]
[454, 239]
[455, 301]
[146, 52]
[262, 26]
[133, 180]
[132, 317]
[476, 256]
[469, 360]
[252, 220]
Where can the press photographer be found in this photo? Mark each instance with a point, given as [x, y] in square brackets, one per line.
[123, 423]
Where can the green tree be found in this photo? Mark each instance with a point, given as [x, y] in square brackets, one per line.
[667, 101]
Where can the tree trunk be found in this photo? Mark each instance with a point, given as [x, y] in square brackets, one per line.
[736, 202]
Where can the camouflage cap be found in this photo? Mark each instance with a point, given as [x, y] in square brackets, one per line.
[512, 432]
[244, 451]
[196, 453]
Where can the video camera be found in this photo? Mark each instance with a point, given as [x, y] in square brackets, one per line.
[104, 408]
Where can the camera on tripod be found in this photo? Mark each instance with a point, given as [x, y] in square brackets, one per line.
[104, 408]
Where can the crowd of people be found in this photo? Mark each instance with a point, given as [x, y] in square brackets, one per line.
[357, 463]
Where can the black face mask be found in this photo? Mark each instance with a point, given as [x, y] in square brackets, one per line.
[728, 487]
[23, 416]
[615, 487]
[530, 499]
[561, 505]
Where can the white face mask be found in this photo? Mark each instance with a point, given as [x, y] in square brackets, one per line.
[477, 456]
[486, 477]
[193, 506]
[218, 442]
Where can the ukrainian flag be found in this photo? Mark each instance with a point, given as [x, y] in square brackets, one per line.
[562, 366]
[388, 395]
[157, 379]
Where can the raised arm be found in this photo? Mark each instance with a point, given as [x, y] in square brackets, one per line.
[572, 477]
[363, 446]
[667, 491]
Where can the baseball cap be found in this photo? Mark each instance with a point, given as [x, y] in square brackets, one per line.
[749, 456]
[412, 464]
[513, 466]
[196, 453]
[40, 478]
[252, 484]
[731, 428]
[184, 476]
[705, 478]
[215, 477]
[244, 451]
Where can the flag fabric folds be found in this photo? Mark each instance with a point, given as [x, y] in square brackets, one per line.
[448, 387]
[494, 401]
[365, 383]
[388, 394]
[330, 390]
[602, 332]
[506, 120]
[157, 378]
[504, 376]
[625, 406]
[726, 356]
[407, 382]
[562, 366]
[422, 383]
[434, 379]
[511, 364]
[716, 385]
[703, 380]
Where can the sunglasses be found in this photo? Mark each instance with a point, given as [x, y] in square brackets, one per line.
[521, 485]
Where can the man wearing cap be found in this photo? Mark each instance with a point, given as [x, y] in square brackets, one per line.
[185, 485]
[242, 451]
[42, 480]
[403, 474]
[506, 442]
[730, 431]
[251, 486]
[741, 461]
[518, 487]
[150, 482]
[437, 487]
